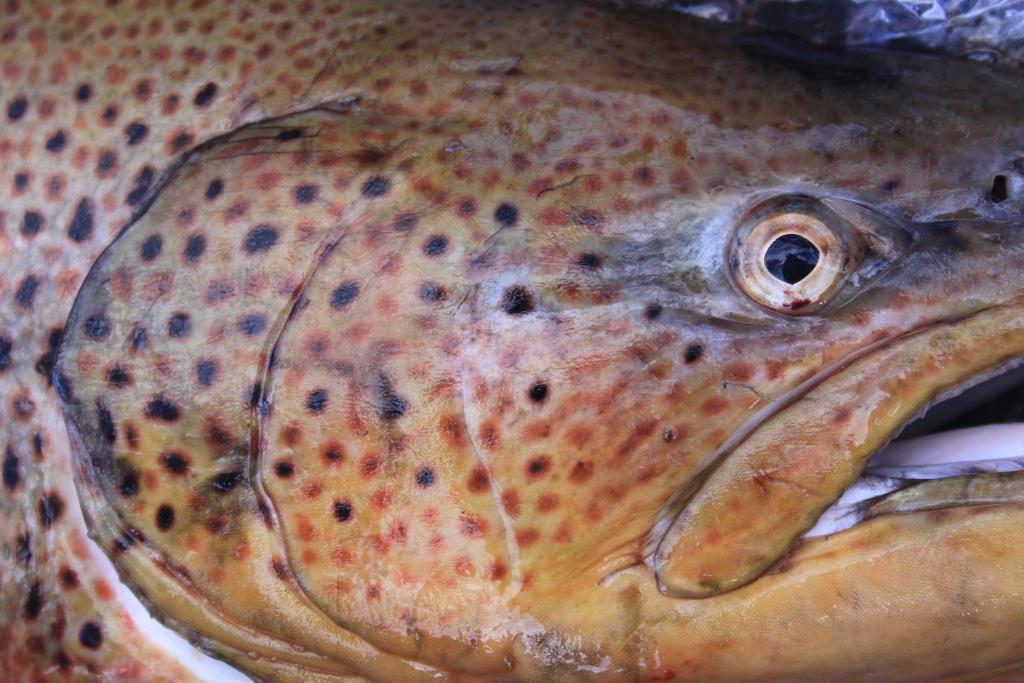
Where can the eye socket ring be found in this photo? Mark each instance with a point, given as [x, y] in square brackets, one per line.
[819, 280]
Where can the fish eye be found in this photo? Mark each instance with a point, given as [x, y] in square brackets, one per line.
[790, 261]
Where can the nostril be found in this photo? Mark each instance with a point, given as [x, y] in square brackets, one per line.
[1000, 189]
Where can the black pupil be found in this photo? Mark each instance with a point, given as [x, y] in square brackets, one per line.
[791, 258]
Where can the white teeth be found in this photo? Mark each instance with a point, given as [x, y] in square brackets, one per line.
[972, 445]
[975, 450]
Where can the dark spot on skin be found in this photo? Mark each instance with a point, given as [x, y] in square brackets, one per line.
[376, 186]
[106, 161]
[516, 300]
[140, 338]
[5, 353]
[405, 222]
[344, 294]
[174, 462]
[436, 245]
[589, 261]
[180, 141]
[342, 511]
[432, 293]
[151, 248]
[179, 325]
[304, 194]
[24, 551]
[290, 134]
[83, 93]
[164, 517]
[227, 481]
[653, 311]
[284, 469]
[206, 372]
[80, 227]
[44, 364]
[105, 422]
[17, 108]
[31, 223]
[214, 189]
[252, 324]
[205, 95]
[136, 132]
[34, 601]
[68, 578]
[1000, 191]
[316, 400]
[425, 477]
[162, 408]
[538, 392]
[538, 466]
[50, 508]
[25, 295]
[11, 473]
[142, 183]
[57, 142]
[260, 239]
[333, 453]
[109, 113]
[506, 215]
[194, 248]
[129, 484]
[393, 406]
[694, 352]
[96, 326]
[90, 635]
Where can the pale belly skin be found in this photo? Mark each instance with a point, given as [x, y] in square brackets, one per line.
[440, 327]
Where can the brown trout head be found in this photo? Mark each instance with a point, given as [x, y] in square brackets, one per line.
[550, 377]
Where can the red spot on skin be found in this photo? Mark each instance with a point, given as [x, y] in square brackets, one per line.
[472, 526]
[640, 433]
[291, 434]
[381, 498]
[578, 436]
[547, 502]
[527, 537]
[463, 565]
[68, 578]
[478, 481]
[368, 465]
[103, 589]
[241, 551]
[738, 372]
[373, 592]
[497, 571]
[841, 415]
[309, 557]
[714, 405]
[553, 216]
[563, 534]
[489, 436]
[510, 501]
[342, 557]
[581, 471]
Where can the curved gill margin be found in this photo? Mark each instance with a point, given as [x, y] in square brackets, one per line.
[664, 530]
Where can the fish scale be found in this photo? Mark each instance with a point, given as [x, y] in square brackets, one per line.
[438, 329]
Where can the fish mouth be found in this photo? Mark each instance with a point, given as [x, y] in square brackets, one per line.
[822, 458]
[966, 448]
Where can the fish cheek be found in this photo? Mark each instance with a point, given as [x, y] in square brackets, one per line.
[162, 374]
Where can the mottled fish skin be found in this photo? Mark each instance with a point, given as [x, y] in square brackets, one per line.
[407, 327]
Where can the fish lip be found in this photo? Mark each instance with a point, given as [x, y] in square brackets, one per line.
[661, 534]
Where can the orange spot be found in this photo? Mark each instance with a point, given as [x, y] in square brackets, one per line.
[510, 501]
[714, 405]
[547, 502]
[527, 537]
[103, 589]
